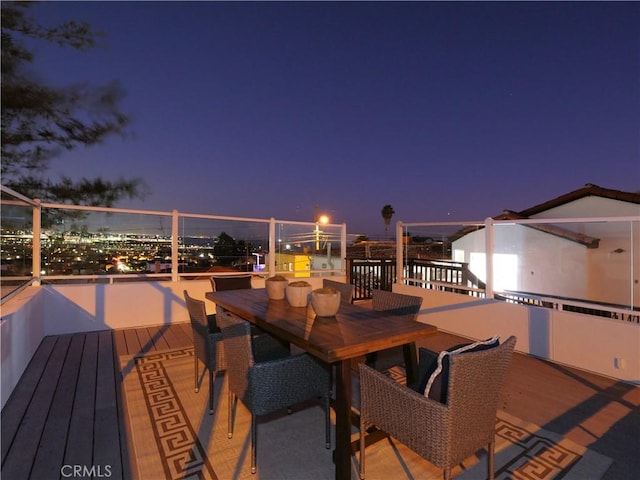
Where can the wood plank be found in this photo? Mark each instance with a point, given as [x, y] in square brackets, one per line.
[106, 439]
[126, 449]
[25, 445]
[176, 337]
[591, 410]
[157, 334]
[133, 342]
[119, 342]
[595, 411]
[79, 449]
[169, 337]
[50, 453]
[185, 330]
[18, 403]
[147, 343]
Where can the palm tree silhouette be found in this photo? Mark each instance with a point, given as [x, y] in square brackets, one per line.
[387, 213]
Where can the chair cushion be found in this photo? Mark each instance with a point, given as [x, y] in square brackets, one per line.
[435, 381]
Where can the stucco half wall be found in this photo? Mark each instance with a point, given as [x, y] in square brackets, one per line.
[90, 307]
[600, 345]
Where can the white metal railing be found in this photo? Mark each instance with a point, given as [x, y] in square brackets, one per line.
[611, 311]
[289, 232]
[603, 248]
[445, 286]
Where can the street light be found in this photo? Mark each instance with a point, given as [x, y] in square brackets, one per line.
[322, 219]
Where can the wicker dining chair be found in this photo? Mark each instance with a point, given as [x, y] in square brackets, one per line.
[236, 282]
[346, 289]
[270, 385]
[396, 303]
[207, 343]
[443, 433]
[232, 282]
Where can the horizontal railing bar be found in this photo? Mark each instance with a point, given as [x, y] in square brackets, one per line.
[218, 274]
[515, 296]
[9, 191]
[529, 221]
[294, 272]
[223, 217]
[572, 303]
[445, 284]
[8, 277]
[526, 221]
[17, 203]
[64, 206]
[17, 290]
[297, 222]
[45, 278]
[472, 223]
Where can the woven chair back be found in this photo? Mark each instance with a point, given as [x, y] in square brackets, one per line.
[475, 381]
[236, 333]
[196, 308]
[345, 289]
[236, 282]
[399, 303]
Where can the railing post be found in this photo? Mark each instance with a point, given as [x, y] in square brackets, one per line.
[272, 246]
[343, 248]
[385, 283]
[633, 280]
[488, 247]
[399, 254]
[36, 266]
[174, 247]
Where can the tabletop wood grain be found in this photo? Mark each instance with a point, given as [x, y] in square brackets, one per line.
[355, 330]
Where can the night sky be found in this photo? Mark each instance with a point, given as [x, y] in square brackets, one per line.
[445, 110]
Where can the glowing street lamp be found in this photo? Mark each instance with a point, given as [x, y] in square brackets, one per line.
[322, 219]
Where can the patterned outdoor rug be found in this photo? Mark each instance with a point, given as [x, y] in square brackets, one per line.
[174, 437]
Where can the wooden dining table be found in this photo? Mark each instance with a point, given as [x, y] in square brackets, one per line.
[354, 331]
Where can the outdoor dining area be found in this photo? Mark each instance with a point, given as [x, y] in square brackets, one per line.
[278, 352]
[269, 383]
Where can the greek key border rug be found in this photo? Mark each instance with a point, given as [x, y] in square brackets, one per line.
[172, 436]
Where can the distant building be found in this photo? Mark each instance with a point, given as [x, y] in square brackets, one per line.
[596, 261]
[299, 264]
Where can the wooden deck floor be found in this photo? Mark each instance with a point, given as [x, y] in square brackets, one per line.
[67, 409]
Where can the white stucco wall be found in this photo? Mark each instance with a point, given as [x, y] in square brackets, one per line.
[21, 331]
[611, 275]
[88, 307]
[600, 345]
[548, 264]
[73, 308]
[604, 346]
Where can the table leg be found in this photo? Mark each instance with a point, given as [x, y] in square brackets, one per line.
[342, 454]
[410, 362]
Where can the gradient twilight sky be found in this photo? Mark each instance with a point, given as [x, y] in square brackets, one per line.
[445, 110]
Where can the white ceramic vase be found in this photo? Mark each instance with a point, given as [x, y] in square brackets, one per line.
[325, 301]
[298, 294]
[276, 287]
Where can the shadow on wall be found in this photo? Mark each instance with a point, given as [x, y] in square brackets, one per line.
[78, 308]
[539, 332]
